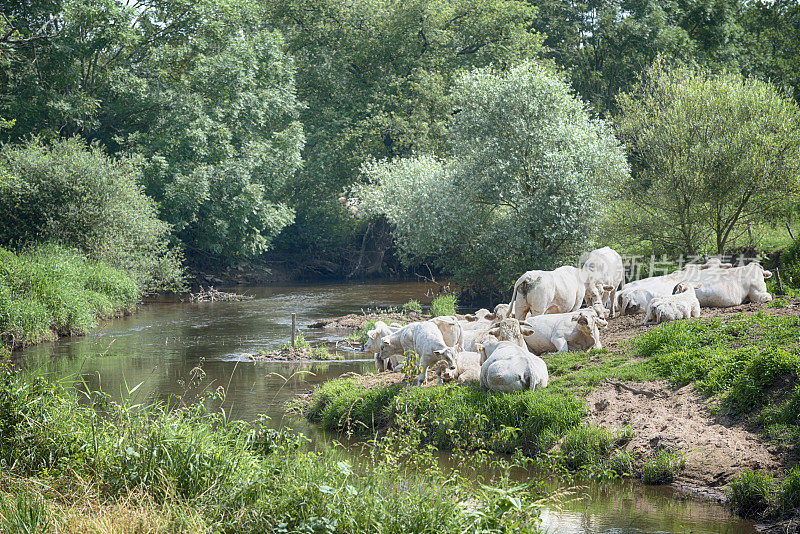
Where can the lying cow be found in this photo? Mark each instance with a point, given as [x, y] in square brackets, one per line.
[682, 304]
[468, 368]
[560, 291]
[561, 332]
[451, 330]
[603, 268]
[509, 367]
[734, 286]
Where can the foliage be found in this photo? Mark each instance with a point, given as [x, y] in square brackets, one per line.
[192, 469]
[751, 493]
[51, 291]
[26, 514]
[789, 496]
[662, 467]
[75, 195]
[202, 90]
[378, 78]
[711, 154]
[586, 445]
[411, 306]
[444, 305]
[789, 264]
[519, 190]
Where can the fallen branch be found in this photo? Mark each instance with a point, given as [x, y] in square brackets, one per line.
[620, 385]
[213, 295]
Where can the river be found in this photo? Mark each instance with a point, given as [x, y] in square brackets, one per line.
[154, 351]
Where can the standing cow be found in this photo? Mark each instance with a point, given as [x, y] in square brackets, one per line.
[603, 268]
[560, 291]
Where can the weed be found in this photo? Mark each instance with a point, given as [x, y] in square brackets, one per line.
[412, 306]
[444, 305]
[621, 463]
[778, 303]
[25, 514]
[585, 445]
[789, 496]
[751, 493]
[662, 467]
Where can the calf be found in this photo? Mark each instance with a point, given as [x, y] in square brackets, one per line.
[682, 304]
[468, 368]
[562, 332]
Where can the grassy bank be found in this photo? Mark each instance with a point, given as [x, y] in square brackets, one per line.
[72, 465]
[748, 367]
[49, 292]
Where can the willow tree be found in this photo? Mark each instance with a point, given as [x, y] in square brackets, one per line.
[710, 155]
[521, 187]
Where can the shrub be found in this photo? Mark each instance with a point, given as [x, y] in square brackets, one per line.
[76, 195]
[751, 493]
[412, 306]
[662, 467]
[621, 463]
[444, 305]
[790, 265]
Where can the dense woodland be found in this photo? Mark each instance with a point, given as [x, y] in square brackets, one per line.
[476, 137]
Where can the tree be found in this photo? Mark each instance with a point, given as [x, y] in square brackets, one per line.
[377, 77]
[710, 155]
[78, 197]
[519, 190]
[203, 90]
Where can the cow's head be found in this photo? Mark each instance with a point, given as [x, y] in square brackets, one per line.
[448, 355]
[486, 346]
[588, 322]
[683, 287]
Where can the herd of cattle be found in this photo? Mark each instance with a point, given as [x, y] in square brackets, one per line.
[501, 349]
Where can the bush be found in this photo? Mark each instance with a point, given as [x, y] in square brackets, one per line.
[444, 305]
[621, 463]
[410, 306]
[790, 265]
[662, 467]
[751, 494]
[77, 196]
[49, 291]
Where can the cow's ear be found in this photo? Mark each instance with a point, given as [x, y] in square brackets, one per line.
[602, 323]
[372, 335]
[470, 318]
[697, 286]
[583, 320]
[576, 317]
[526, 330]
[494, 331]
[439, 352]
[767, 274]
[490, 316]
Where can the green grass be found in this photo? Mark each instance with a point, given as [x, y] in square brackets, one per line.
[751, 364]
[663, 467]
[49, 292]
[444, 305]
[191, 469]
[751, 494]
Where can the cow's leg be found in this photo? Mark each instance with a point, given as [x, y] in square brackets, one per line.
[379, 363]
[613, 302]
[423, 376]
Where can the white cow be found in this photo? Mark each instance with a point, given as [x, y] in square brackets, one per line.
[391, 354]
[509, 367]
[425, 339]
[682, 304]
[603, 266]
[468, 368]
[561, 332]
[560, 291]
[451, 330]
[635, 295]
[734, 286]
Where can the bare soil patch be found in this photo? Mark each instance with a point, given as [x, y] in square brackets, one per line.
[355, 321]
[716, 450]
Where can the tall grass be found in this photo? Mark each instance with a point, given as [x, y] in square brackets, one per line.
[192, 469]
[50, 291]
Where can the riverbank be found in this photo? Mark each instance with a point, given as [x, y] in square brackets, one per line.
[100, 466]
[719, 394]
[50, 292]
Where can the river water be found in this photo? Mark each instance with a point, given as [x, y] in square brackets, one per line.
[154, 351]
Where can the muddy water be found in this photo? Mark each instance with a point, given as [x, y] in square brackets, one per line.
[157, 348]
